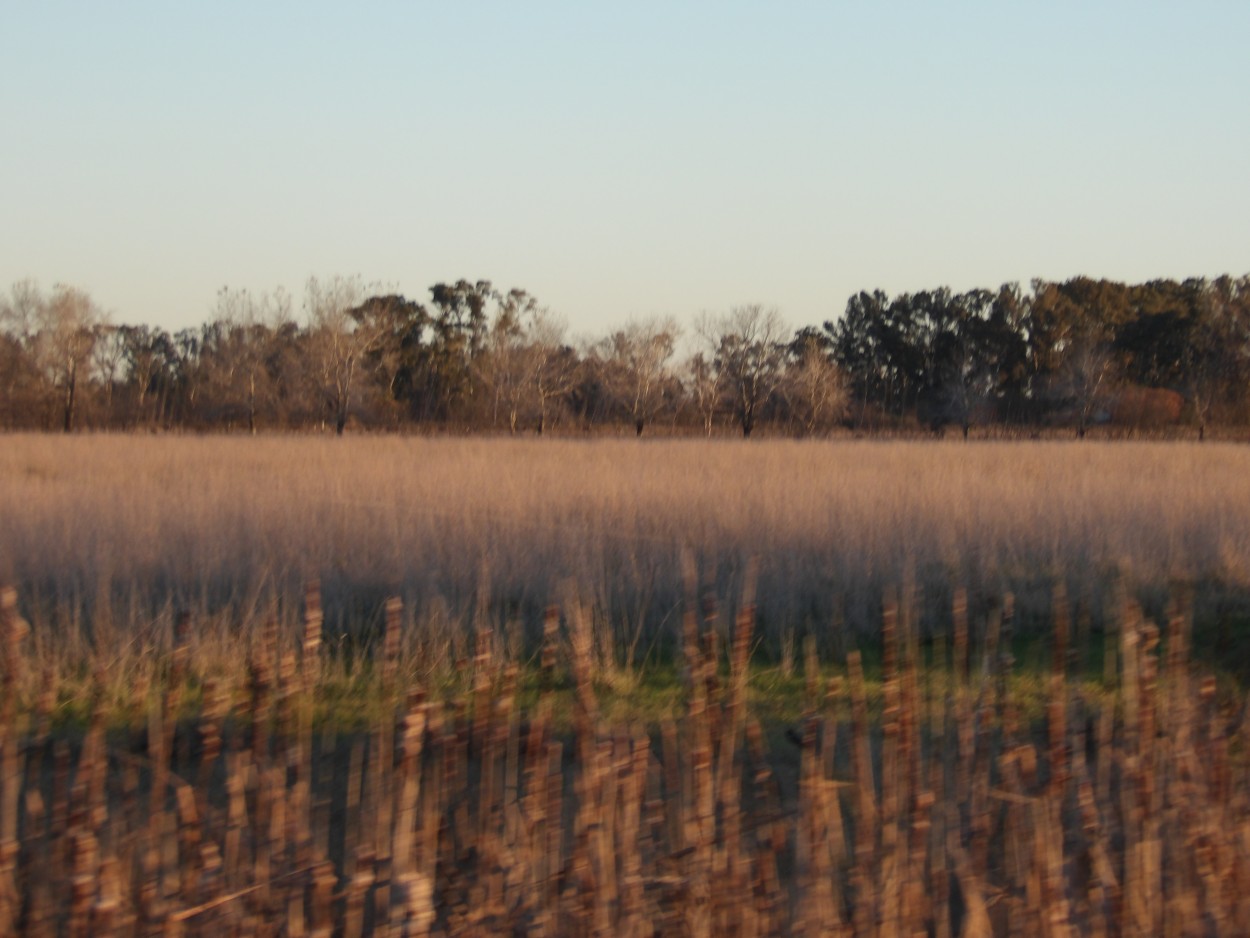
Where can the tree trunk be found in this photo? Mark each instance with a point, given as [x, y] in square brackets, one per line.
[344, 396]
[71, 392]
[638, 426]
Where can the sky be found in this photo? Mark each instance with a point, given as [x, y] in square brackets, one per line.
[619, 161]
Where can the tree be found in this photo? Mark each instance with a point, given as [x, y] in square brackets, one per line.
[875, 345]
[1086, 376]
[812, 384]
[21, 380]
[461, 320]
[65, 335]
[339, 341]
[459, 329]
[108, 359]
[555, 364]
[151, 370]
[239, 352]
[507, 365]
[524, 365]
[635, 367]
[1008, 341]
[21, 309]
[974, 353]
[1154, 341]
[1061, 315]
[187, 373]
[749, 356]
[1216, 363]
[703, 381]
[396, 354]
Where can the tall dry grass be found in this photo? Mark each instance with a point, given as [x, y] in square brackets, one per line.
[106, 532]
[946, 812]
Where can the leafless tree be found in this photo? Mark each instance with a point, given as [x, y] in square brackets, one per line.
[240, 344]
[703, 386]
[703, 380]
[814, 388]
[65, 333]
[338, 341]
[749, 355]
[20, 311]
[1087, 377]
[506, 368]
[636, 366]
[108, 359]
[555, 364]
[151, 371]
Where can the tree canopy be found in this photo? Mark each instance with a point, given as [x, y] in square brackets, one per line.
[471, 357]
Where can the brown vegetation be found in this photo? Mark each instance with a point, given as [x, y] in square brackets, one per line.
[190, 743]
[1137, 407]
[118, 533]
[948, 811]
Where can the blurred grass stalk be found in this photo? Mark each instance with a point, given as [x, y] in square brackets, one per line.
[950, 811]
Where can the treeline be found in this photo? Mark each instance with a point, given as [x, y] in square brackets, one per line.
[475, 358]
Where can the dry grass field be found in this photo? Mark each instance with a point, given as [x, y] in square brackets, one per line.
[114, 532]
[195, 740]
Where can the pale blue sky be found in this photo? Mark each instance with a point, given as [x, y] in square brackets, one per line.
[622, 160]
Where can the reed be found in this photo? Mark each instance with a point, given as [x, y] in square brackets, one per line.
[925, 812]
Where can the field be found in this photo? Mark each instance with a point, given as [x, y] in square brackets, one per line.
[409, 686]
[120, 533]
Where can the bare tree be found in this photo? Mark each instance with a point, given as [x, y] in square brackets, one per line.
[339, 341]
[65, 335]
[703, 384]
[813, 387]
[506, 366]
[151, 365]
[108, 359]
[703, 380]
[1086, 378]
[239, 348]
[636, 367]
[749, 355]
[555, 363]
[526, 365]
[20, 311]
